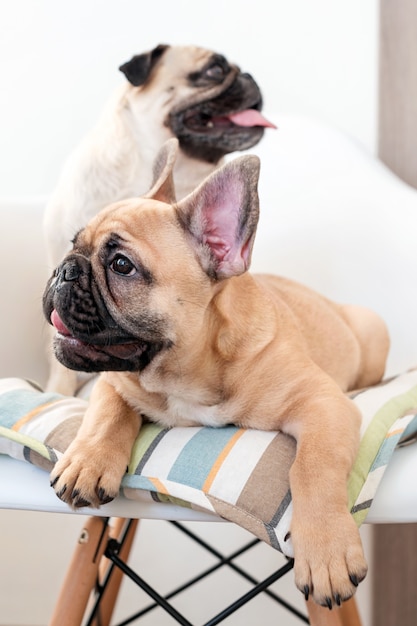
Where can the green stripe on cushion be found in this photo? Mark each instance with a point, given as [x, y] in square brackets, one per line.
[26, 440]
[149, 437]
[164, 498]
[374, 437]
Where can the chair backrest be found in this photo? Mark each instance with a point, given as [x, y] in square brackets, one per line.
[333, 217]
[23, 276]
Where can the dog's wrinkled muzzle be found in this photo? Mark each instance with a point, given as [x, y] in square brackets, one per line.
[88, 338]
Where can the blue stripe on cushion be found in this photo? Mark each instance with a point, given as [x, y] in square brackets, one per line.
[19, 402]
[385, 452]
[135, 481]
[198, 456]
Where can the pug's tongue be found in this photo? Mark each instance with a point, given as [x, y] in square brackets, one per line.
[250, 117]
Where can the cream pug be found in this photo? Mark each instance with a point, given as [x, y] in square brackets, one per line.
[156, 295]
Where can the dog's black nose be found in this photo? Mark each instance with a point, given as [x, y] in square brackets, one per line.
[70, 271]
[75, 268]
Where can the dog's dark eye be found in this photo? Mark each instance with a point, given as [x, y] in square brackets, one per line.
[215, 71]
[122, 265]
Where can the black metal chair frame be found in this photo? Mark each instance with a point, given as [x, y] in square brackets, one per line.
[112, 552]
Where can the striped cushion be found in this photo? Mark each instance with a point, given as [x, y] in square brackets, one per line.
[242, 475]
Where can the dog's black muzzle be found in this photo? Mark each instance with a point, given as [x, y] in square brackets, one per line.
[73, 292]
[88, 338]
[202, 128]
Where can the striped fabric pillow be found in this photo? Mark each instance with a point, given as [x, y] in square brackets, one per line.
[242, 475]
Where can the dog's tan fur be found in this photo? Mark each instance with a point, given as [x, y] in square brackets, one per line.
[258, 351]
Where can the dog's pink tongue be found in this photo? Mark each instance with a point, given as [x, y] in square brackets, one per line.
[250, 117]
[57, 322]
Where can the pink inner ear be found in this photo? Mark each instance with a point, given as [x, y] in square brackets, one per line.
[222, 215]
[221, 236]
[221, 230]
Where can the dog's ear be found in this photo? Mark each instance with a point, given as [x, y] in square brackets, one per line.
[139, 67]
[221, 216]
[163, 183]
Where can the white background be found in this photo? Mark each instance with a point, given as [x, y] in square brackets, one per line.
[59, 60]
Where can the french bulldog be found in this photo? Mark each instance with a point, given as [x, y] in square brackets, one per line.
[156, 295]
[186, 92]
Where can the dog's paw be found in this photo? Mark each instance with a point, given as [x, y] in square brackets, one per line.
[329, 561]
[85, 477]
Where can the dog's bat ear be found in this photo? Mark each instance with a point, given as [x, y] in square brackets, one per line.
[139, 67]
[163, 183]
[221, 216]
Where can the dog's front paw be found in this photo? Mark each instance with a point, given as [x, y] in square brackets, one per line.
[85, 477]
[329, 561]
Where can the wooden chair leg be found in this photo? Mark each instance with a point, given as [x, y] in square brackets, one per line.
[345, 615]
[82, 574]
[350, 614]
[120, 528]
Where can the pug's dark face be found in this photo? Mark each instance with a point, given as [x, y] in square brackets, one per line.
[229, 122]
[212, 107]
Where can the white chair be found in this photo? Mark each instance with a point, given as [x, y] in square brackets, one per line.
[332, 217]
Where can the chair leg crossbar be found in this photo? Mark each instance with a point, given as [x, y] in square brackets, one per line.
[112, 553]
[100, 561]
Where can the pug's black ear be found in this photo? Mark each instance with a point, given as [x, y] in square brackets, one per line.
[163, 183]
[139, 67]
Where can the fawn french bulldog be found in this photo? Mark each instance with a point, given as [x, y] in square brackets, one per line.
[156, 295]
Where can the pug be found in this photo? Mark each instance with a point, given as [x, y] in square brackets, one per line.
[186, 92]
[156, 295]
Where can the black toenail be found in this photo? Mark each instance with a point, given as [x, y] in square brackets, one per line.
[61, 492]
[103, 497]
[80, 503]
